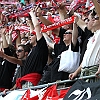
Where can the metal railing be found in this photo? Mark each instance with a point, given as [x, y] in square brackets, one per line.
[49, 84]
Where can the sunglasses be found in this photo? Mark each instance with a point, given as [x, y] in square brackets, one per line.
[67, 33]
[31, 34]
[96, 18]
[19, 50]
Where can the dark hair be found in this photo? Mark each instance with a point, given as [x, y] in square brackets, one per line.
[93, 12]
[12, 50]
[27, 1]
[24, 38]
[25, 47]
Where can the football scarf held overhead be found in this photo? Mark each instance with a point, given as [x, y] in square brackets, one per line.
[59, 24]
[82, 90]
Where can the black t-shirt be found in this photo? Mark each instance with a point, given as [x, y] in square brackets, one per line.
[61, 33]
[7, 72]
[59, 48]
[37, 59]
[1, 59]
[84, 37]
[18, 72]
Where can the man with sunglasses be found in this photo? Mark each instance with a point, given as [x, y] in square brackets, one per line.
[65, 40]
[22, 52]
[91, 58]
[37, 58]
[68, 37]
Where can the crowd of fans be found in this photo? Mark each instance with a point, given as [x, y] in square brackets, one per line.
[30, 57]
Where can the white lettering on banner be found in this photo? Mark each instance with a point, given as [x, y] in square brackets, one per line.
[58, 24]
[80, 94]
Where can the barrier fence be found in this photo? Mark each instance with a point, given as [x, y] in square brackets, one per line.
[49, 84]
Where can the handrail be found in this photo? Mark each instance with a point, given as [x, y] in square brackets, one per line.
[49, 84]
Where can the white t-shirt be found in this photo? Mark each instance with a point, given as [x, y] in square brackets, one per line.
[92, 54]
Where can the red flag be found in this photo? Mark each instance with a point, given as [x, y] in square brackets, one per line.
[34, 98]
[63, 92]
[50, 93]
[26, 96]
[33, 95]
[73, 4]
[76, 3]
[50, 18]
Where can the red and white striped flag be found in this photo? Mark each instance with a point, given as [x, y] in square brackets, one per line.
[73, 4]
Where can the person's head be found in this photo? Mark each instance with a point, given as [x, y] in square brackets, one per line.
[12, 50]
[91, 19]
[49, 14]
[67, 36]
[17, 0]
[68, 27]
[24, 40]
[96, 21]
[27, 2]
[32, 38]
[22, 51]
[52, 10]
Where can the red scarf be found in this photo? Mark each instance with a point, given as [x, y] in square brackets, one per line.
[34, 78]
[2, 89]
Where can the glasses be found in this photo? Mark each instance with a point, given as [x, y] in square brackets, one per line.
[31, 34]
[67, 33]
[19, 50]
[96, 18]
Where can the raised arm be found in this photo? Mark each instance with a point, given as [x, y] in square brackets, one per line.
[42, 19]
[36, 25]
[10, 34]
[74, 34]
[49, 40]
[62, 11]
[5, 43]
[10, 58]
[97, 7]
[30, 24]
[45, 21]
[80, 23]
[18, 40]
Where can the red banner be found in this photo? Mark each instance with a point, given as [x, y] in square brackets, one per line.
[59, 24]
[7, 3]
